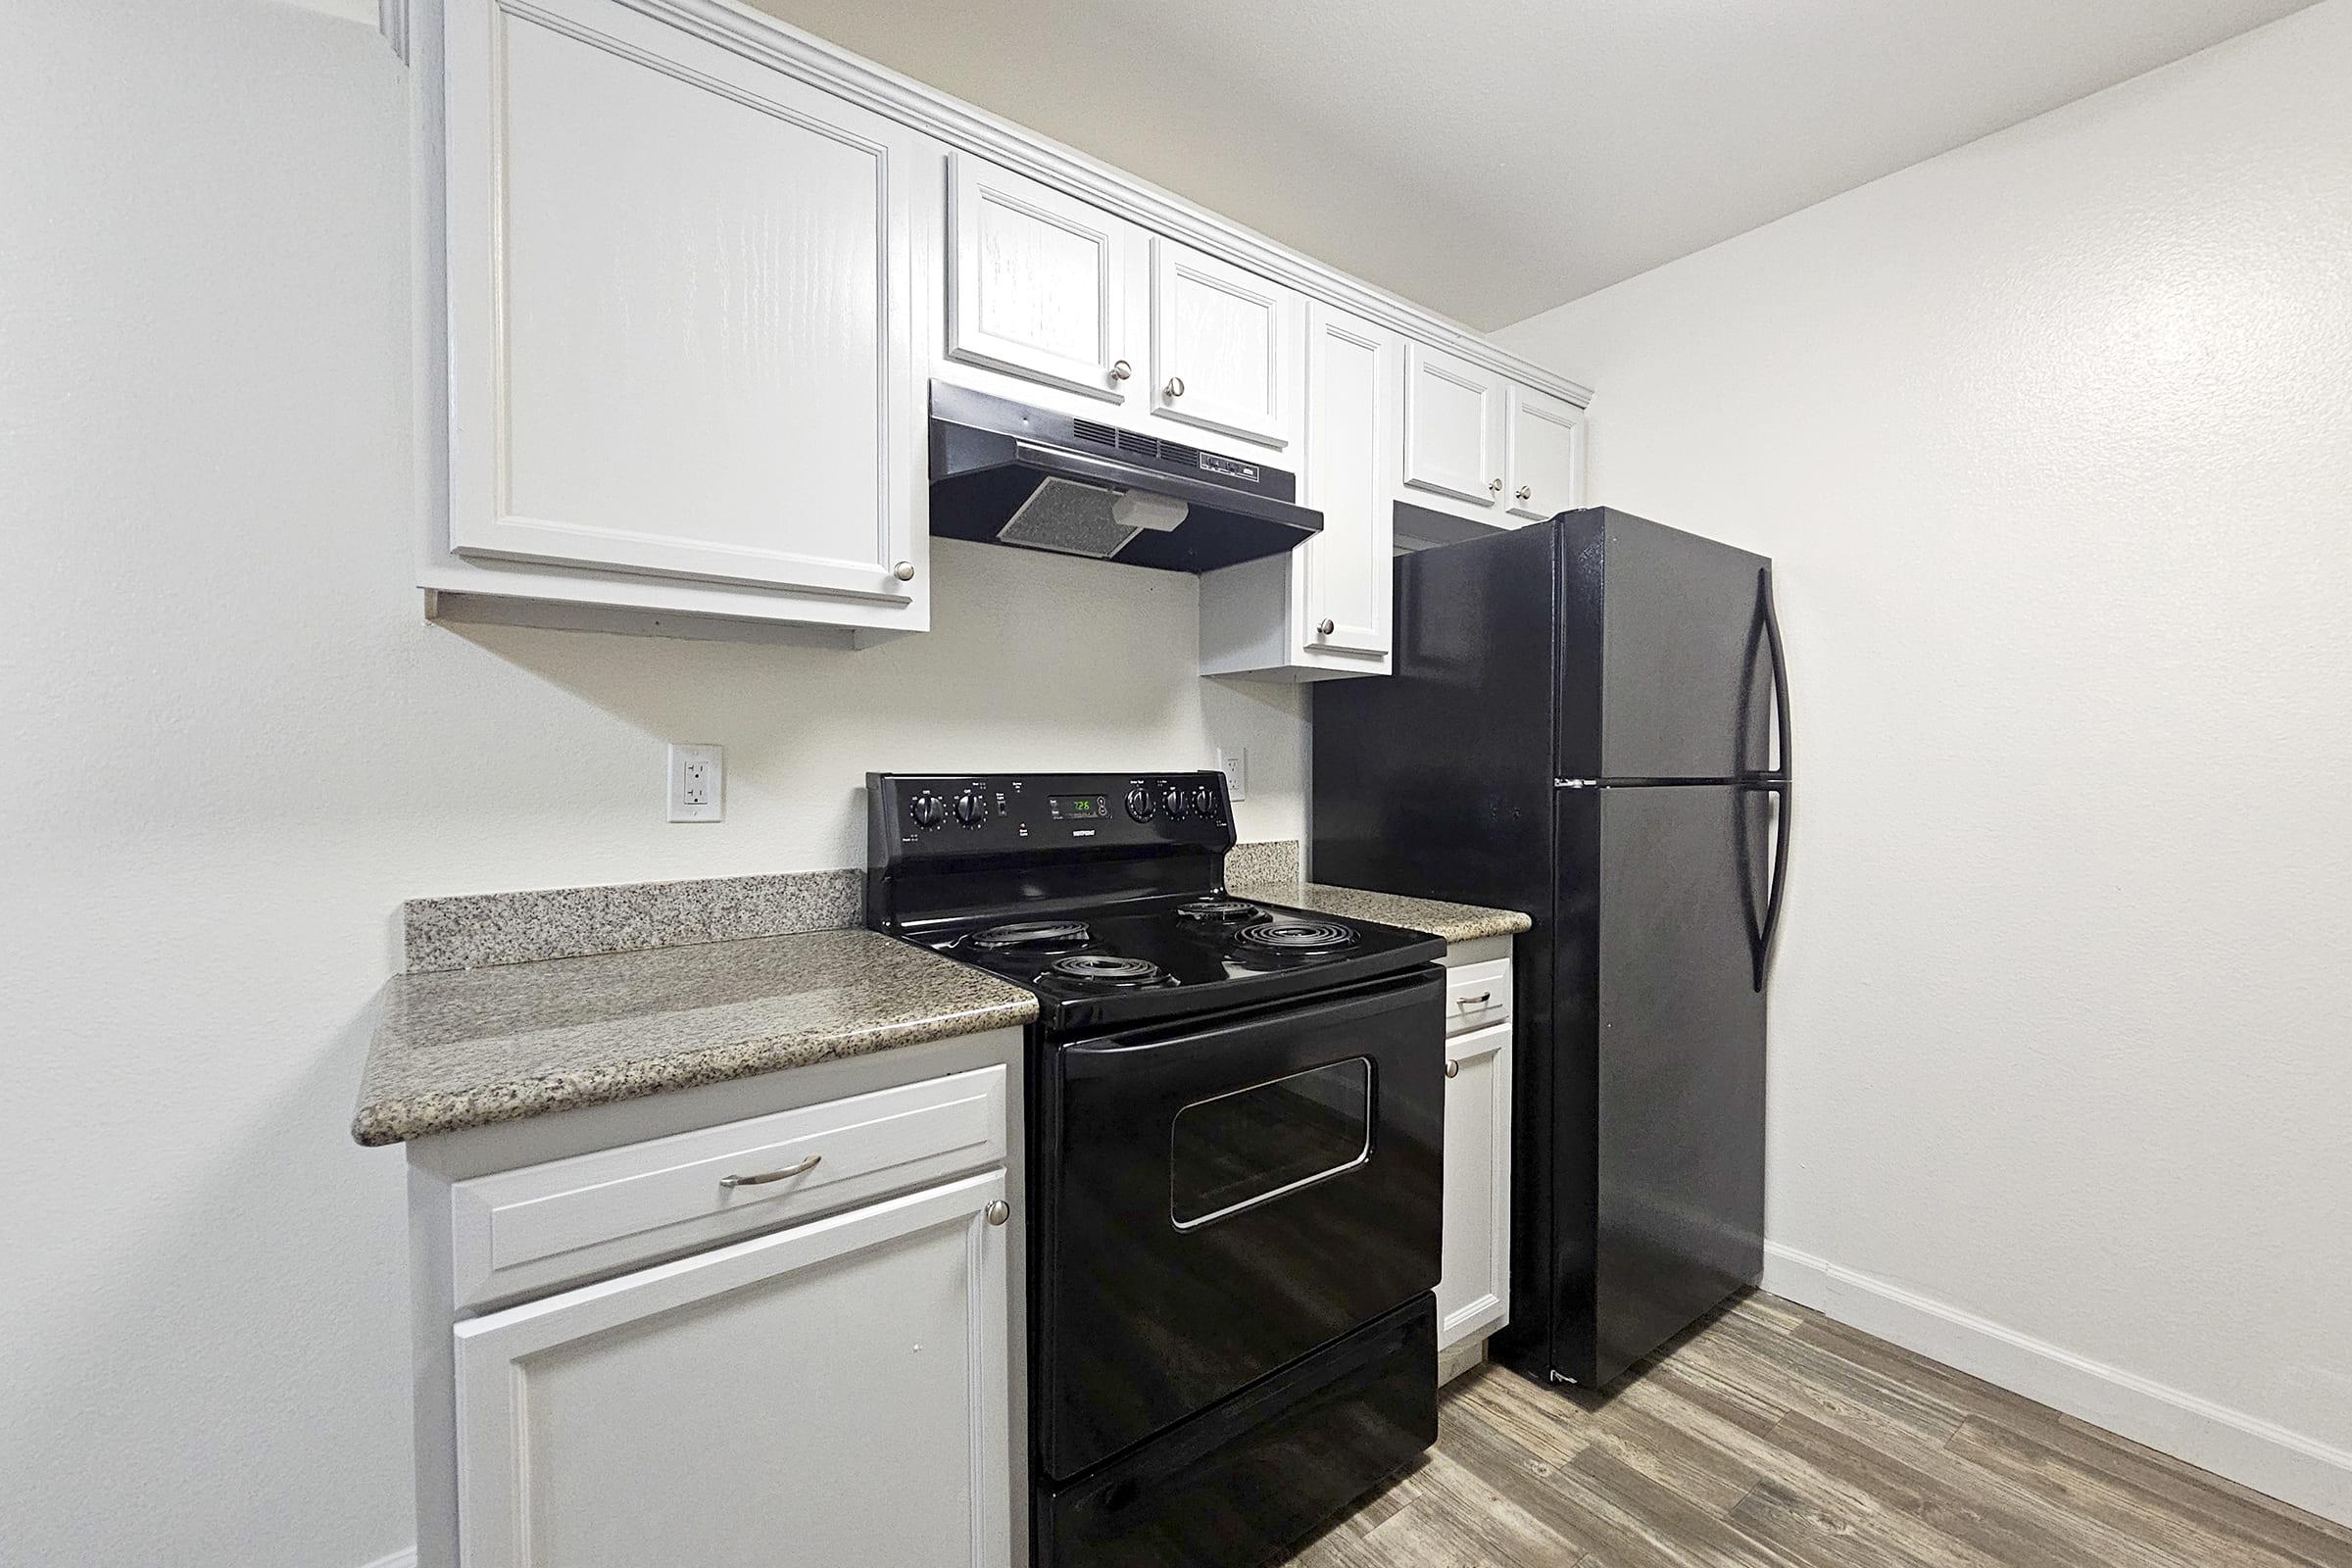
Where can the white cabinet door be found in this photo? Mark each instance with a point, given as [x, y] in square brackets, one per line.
[1474, 1290]
[680, 309]
[1351, 381]
[831, 1394]
[1223, 342]
[1452, 426]
[1546, 470]
[1040, 284]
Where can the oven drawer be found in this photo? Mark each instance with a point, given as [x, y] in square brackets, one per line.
[1478, 995]
[1219, 1198]
[1242, 1480]
[545, 1226]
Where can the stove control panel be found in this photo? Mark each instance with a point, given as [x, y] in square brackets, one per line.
[936, 815]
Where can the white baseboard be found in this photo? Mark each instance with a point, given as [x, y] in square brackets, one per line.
[2246, 1448]
[398, 1559]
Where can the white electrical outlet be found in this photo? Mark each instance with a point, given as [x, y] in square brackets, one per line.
[698, 783]
[1234, 766]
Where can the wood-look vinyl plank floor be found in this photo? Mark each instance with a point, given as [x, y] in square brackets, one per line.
[1769, 1436]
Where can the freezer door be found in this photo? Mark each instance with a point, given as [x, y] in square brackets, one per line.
[1679, 1151]
[1663, 664]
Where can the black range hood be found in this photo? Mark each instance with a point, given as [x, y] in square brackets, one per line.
[1005, 473]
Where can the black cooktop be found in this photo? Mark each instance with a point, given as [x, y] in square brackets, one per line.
[1175, 956]
[1104, 893]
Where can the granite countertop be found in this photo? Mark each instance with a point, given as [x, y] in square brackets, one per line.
[471, 1046]
[1456, 922]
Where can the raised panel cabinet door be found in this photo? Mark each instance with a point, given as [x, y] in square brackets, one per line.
[1474, 1290]
[680, 309]
[830, 1393]
[1351, 414]
[1546, 473]
[1039, 283]
[1222, 345]
[1452, 426]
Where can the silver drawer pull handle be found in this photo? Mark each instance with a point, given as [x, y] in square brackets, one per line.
[1453, 1069]
[800, 1167]
[998, 1212]
[1479, 1000]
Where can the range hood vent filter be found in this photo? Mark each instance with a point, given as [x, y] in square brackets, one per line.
[1087, 519]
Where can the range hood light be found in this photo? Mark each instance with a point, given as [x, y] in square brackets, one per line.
[1139, 508]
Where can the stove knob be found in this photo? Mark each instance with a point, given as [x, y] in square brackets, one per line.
[1172, 800]
[1205, 802]
[1139, 803]
[971, 808]
[928, 809]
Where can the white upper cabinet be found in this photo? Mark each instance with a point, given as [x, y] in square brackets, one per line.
[1350, 381]
[1546, 467]
[682, 340]
[698, 269]
[1453, 418]
[1042, 286]
[1323, 610]
[1223, 345]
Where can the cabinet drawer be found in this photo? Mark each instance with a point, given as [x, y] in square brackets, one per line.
[1478, 995]
[544, 1226]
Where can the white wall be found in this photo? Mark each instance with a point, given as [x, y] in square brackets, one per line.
[230, 746]
[2051, 438]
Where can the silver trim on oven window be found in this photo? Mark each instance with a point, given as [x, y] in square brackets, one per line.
[1345, 1100]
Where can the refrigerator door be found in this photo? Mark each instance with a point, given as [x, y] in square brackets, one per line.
[1677, 1155]
[1664, 668]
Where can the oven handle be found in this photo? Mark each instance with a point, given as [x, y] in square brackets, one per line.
[1137, 1051]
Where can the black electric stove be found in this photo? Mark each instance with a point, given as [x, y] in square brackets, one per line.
[1234, 1155]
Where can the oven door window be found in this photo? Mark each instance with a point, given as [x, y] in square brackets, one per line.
[1237, 1150]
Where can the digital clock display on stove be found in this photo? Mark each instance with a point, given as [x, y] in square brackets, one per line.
[1077, 808]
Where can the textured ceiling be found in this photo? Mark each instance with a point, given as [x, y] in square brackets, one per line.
[1493, 158]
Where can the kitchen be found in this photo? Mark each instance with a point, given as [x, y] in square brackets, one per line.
[1997, 1133]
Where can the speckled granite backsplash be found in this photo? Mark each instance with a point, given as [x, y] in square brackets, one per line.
[477, 930]
[473, 931]
[1276, 860]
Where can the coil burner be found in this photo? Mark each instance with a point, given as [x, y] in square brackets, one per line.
[1216, 911]
[1025, 934]
[1107, 969]
[1295, 938]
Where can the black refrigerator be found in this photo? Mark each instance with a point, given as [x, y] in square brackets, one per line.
[1588, 721]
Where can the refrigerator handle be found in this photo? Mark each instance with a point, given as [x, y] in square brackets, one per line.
[1761, 945]
[1776, 783]
[1779, 671]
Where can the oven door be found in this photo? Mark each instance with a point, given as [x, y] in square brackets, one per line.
[1221, 1199]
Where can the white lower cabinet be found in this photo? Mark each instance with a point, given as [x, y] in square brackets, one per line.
[831, 1394]
[1474, 1288]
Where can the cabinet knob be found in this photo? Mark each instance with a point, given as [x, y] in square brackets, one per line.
[1524, 493]
[998, 1212]
[1453, 1069]
[1326, 626]
[1175, 388]
[1494, 485]
[904, 571]
[1120, 369]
